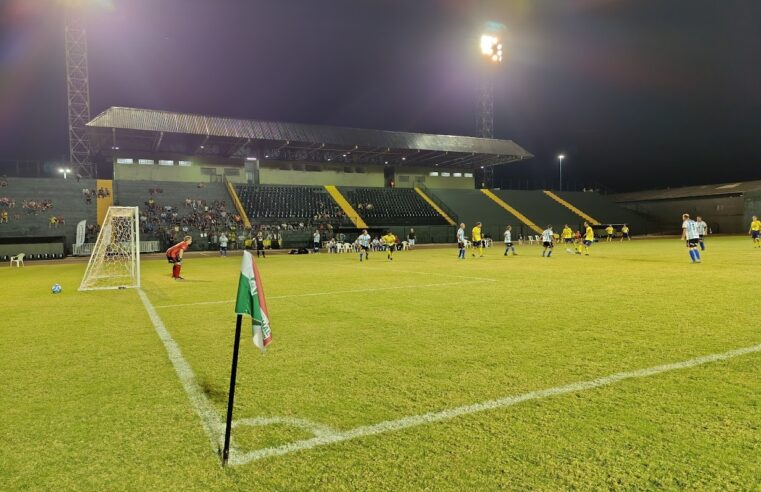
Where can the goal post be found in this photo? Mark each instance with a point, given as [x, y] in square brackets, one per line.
[115, 259]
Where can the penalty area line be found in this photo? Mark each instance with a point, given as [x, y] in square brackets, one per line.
[427, 418]
[329, 293]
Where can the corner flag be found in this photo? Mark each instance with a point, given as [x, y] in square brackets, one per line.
[250, 300]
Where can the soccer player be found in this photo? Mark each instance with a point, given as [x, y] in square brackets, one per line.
[477, 240]
[702, 231]
[609, 231]
[364, 245]
[316, 241]
[547, 240]
[174, 256]
[461, 242]
[390, 241]
[625, 233]
[755, 232]
[691, 237]
[509, 241]
[260, 245]
[589, 238]
[411, 238]
[567, 236]
[223, 244]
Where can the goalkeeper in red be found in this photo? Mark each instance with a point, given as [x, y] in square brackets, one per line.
[174, 256]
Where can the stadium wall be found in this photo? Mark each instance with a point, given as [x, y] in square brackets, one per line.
[410, 177]
[195, 172]
[752, 207]
[723, 214]
[314, 174]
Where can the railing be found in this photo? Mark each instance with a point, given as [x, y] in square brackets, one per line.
[86, 248]
[238, 205]
[443, 206]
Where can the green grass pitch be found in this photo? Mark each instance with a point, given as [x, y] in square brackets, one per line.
[90, 400]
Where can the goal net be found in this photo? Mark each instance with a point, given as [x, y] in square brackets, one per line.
[115, 259]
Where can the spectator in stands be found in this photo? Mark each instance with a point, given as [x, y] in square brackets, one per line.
[3, 182]
[411, 238]
[316, 241]
[53, 221]
[4, 216]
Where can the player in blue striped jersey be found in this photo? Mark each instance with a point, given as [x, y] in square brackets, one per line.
[702, 231]
[547, 240]
[364, 244]
[461, 242]
[691, 237]
[509, 241]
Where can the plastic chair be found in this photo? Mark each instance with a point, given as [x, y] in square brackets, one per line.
[18, 259]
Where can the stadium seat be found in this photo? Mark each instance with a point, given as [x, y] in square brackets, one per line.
[392, 206]
[18, 259]
[276, 204]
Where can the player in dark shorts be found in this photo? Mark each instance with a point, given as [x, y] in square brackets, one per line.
[260, 246]
[174, 256]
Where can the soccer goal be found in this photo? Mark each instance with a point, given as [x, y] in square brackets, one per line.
[115, 259]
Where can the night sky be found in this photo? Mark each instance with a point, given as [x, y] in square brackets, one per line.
[637, 93]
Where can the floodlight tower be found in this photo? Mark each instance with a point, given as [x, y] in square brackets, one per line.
[78, 90]
[491, 50]
[491, 53]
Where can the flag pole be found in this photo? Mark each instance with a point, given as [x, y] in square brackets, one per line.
[231, 396]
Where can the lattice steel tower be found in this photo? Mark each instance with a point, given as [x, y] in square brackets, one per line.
[78, 91]
[491, 51]
[486, 104]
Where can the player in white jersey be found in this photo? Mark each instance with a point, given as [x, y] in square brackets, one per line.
[547, 240]
[702, 231]
[364, 244]
[509, 241]
[691, 237]
[461, 242]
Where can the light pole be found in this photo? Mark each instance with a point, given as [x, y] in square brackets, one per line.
[560, 159]
[64, 171]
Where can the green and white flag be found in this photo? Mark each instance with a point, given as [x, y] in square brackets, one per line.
[251, 301]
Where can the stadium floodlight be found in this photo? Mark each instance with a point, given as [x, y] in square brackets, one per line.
[65, 171]
[560, 160]
[491, 47]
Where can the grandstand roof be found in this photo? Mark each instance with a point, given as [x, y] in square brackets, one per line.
[163, 131]
[714, 190]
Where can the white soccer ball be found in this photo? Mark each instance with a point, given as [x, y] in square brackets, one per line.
[56, 289]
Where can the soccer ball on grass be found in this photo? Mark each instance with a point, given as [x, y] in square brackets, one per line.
[56, 289]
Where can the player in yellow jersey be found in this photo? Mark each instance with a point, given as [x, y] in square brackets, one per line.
[625, 233]
[389, 240]
[477, 239]
[589, 237]
[755, 232]
[567, 235]
[609, 231]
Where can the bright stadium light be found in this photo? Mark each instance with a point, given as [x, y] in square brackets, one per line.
[560, 159]
[491, 47]
[65, 171]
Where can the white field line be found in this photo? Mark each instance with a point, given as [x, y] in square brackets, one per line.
[210, 420]
[334, 292]
[326, 438]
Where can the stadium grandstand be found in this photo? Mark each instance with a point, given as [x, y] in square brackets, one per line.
[204, 175]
